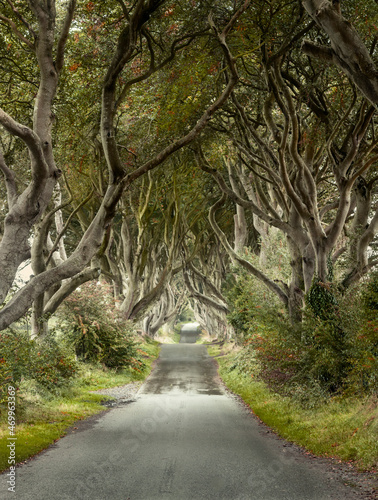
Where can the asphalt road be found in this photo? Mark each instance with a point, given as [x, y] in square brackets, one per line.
[184, 438]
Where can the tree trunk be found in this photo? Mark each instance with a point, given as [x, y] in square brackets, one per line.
[347, 49]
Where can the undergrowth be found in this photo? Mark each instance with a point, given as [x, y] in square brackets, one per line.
[43, 416]
[341, 427]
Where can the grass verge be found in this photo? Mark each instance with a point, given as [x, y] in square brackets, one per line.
[43, 418]
[344, 428]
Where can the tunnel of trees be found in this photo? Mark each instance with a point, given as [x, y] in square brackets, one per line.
[213, 156]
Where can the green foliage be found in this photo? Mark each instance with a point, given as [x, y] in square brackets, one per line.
[325, 333]
[261, 327]
[333, 350]
[52, 363]
[245, 362]
[370, 297]
[43, 417]
[186, 316]
[96, 330]
[15, 354]
[364, 342]
[341, 427]
[242, 312]
[47, 362]
[323, 352]
[248, 300]
[321, 299]
[341, 344]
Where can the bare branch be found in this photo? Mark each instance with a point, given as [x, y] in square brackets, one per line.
[337, 254]
[124, 9]
[207, 282]
[235, 17]
[318, 51]
[29, 137]
[10, 181]
[22, 18]
[244, 263]
[350, 53]
[16, 31]
[64, 35]
[176, 46]
[280, 224]
[64, 229]
[203, 298]
[363, 169]
[69, 287]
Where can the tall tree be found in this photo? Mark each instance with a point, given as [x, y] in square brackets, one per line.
[298, 164]
[36, 28]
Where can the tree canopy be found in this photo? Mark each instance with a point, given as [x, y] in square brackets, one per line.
[160, 144]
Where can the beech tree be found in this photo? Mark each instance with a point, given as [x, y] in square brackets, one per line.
[205, 262]
[44, 36]
[167, 308]
[347, 49]
[96, 97]
[144, 253]
[203, 281]
[298, 163]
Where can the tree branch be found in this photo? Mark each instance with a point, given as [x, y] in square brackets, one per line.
[22, 18]
[64, 229]
[244, 263]
[350, 53]
[200, 125]
[70, 286]
[280, 224]
[10, 181]
[318, 51]
[31, 140]
[64, 35]
[16, 31]
[203, 298]
[153, 67]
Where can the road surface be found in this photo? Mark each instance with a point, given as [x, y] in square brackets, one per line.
[184, 438]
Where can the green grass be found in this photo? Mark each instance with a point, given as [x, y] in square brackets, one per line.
[203, 337]
[343, 428]
[43, 418]
[40, 423]
[172, 336]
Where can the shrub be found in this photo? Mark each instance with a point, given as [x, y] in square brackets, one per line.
[363, 344]
[276, 357]
[262, 327]
[321, 299]
[45, 361]
[96, 330]
[334, 349]
[52, 363]
[324, 357]
[248, 301]
[370, 297]
[15, 354]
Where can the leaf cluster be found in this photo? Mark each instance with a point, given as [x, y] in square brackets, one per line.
[50, 363]
[95, 328]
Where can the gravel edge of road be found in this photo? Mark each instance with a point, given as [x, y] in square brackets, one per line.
[120, 394]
